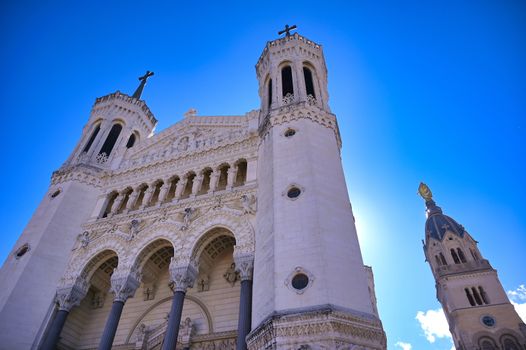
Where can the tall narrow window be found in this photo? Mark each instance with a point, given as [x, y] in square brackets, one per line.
[286, 81]
[131, 141]
[111, 139]
[455, 256]
[470, 297]
[476, 295]
[109, 203]
[269, 93]
[461, 255]
[438, 260]
[483, 295]
[92, 138]
[309, 84]
[474, 255]
[443, 259]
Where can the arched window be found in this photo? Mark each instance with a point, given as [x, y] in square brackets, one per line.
[205, 185]
[156, 192]
[107, 147]
[189, 184]
[241, 175]
[461, 255]
[470, 297]
[443, 259]
[269, 93]
[109, 203]
[223, 177]
[131, 141]
[92, 138]
[455, 256]
[487, 344]
[476, 295]
[171, 192]
[125, 200]
[438, 260]
[484, 296]
[140, 197]
[309, 84]
[286, 81]
[474, 255]
[510, 343]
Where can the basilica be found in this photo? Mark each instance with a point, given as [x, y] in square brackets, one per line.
[221, 232]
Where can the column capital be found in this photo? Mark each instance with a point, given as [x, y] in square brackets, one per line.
[244, 264]
[72, 295]
[124, 284]
[183, 274]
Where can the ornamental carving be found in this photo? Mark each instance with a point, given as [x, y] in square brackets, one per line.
[183, 276]
[124, 284]
[72, 295]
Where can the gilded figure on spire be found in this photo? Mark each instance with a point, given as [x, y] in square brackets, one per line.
[425, 192]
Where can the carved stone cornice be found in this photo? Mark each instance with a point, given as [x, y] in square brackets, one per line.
[168, 210]
[298, 111]
[183, 275]
[72, 295]
[192, 160]
[80, 173]
[284, 329]
[124, 284]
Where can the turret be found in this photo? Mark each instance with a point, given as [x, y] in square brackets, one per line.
[478, 311]
[117, 122]
[308, 266]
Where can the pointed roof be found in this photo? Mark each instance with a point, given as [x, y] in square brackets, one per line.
[437, 223]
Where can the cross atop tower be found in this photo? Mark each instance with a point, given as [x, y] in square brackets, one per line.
[137, 94]
[287, 29]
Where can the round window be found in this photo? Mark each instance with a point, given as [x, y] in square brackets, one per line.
[290, 133]
[300, 281]
[22, 251]
[294, 192]
[488, 321]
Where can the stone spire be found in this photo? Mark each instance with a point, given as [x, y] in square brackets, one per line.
[137, 94]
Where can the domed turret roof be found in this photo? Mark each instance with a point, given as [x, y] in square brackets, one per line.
[437, 223]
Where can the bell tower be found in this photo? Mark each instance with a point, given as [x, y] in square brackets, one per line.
[311, 289]
[478, 311]
[31, 272]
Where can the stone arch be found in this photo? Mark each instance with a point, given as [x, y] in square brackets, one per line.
[147, 250]
[165, 230]
[197, 301]
[96, 261]
[240, 228]
[110, 242]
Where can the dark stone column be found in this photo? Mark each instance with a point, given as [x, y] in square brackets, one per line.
[66, 298]
[51, 340]
[106, 341]
[245, 266]
[245, 314]
[123, 285]
[172, 331]
[183, 277]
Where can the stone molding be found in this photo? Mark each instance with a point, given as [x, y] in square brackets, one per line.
[319, 327]
[299, 111]
[80, 173]
[183, 276]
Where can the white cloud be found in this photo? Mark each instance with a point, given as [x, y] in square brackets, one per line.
[434, 324]
[518, 299]
[404, 346]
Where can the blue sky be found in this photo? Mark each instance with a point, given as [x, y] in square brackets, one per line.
[423, 90]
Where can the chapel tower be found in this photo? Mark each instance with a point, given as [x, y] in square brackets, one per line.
[478, 311]
[30, 274]
[310, 284]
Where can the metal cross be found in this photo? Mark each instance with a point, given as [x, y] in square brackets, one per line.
[146, 76]
[287, 29]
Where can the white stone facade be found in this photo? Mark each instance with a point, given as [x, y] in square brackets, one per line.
[204, 207]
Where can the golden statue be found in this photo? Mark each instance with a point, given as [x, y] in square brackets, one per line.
[425, 192]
